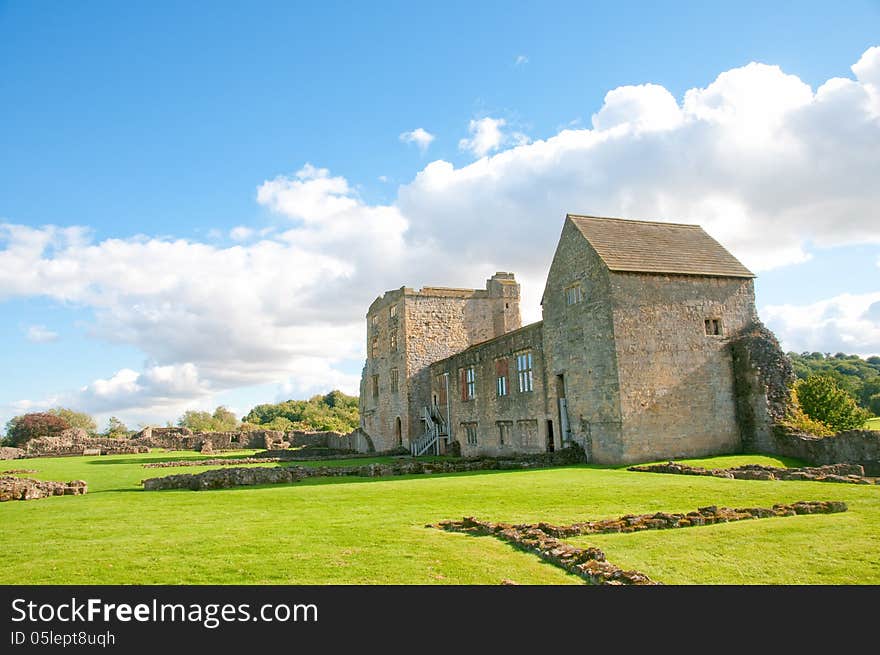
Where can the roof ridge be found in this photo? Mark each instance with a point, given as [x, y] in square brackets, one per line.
[634, 220]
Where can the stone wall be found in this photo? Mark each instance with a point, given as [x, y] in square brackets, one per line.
[7, 452]
[428, 325]
[763, 376]
[579, 348]
[854, 446]
[240, 476]
[846, 473]
[13, 488]
[76, 441]
[522, 415]
[186, 439]
[676, 382]
[355, 441]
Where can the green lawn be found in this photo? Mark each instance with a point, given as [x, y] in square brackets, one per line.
[350, 530]
[873, 424]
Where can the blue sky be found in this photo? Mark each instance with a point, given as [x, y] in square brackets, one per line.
[201, 200]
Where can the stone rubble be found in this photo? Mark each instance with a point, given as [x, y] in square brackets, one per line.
[236, 477]
[846, 473]
[590, 563]
[13, 488]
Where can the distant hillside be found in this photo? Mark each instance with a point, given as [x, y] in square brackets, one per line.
[860, 377]
[335, 411]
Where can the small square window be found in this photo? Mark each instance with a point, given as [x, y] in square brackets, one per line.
[713, 327]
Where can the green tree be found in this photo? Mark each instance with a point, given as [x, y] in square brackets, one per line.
[333, 411]
[222, 420]
[116, 429]
[76, 419]
[822, 399]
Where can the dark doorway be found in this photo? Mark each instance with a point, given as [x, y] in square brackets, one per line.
[398, 431]
[551, 445]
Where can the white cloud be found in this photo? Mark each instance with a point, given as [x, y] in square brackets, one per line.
[764, 163]
[40, 334]
[520, 60]
[420, 136]
[847, 323]
[241, 233]
[486, 136]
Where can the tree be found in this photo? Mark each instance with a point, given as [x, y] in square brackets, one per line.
[21, 429]
[76, 419]
[222, 420]
[822, 399]
[333, 411]
[116, 429]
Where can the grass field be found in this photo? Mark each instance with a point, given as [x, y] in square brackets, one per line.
[369, 531]
[873, 423]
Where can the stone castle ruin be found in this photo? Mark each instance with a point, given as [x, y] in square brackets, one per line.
[634, 359]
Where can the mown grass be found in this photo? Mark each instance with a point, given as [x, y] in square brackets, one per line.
[873, 423]
[369, 531]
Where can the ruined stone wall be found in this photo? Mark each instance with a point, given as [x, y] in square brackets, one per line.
[354, 441]
[763, 376]
[430, 324]
[7, 452]
[677, 394]
[853, 446]
[522, 415]
[579, 346]
[77, 441]
[186, 439]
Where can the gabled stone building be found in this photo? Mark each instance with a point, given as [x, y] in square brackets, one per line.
[632, 359]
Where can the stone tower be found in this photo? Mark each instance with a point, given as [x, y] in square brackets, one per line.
[407, 330]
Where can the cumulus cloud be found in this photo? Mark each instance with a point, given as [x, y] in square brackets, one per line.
[520, 60]
[241, 233]
[40, 334]
[420, 136]
[766, 164]
[487, 136]
[847, 323]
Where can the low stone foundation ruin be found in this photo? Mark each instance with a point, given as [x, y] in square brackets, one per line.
[847, 473]
[590, 564]
[13, 488]
[237, 477]
[76, 441]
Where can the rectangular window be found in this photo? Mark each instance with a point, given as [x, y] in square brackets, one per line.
[394, 341]
[471, 382]
[713, 327]
[374, 348]
[524, 371]
[501, 377]
[393, 311]
[504, 428]
[395, 385]
[574, 294]
[375, 387]
[375, 320]
[471, 432]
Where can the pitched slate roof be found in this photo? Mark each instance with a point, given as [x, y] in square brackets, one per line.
[652, 247]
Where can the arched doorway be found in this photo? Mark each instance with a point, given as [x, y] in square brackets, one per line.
[398, 431]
